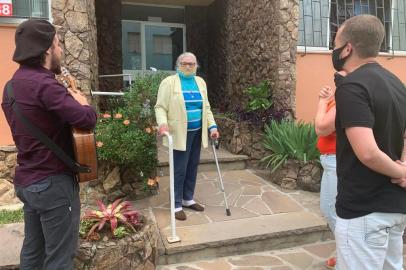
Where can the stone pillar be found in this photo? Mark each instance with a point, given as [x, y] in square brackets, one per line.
[251, 41]
[197, 36]
[77, 31]
[108, 16]
[288, 26]
[218, 52]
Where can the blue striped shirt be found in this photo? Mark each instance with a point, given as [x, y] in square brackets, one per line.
[193, 101]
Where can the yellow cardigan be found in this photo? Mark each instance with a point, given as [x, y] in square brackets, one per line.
[170, 109]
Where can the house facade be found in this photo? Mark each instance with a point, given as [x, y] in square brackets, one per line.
[238, 43]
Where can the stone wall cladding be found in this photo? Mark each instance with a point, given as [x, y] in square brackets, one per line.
[251, 41]
[136, 252]
[197, 36]
[218, 54]
[76, 23]
[8, 161]
[109, 43]
[288, 26]
[242, 138]
[114, 182]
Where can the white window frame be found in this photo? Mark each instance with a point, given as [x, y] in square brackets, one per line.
[143, 24]
[17, 20]
[310, 49]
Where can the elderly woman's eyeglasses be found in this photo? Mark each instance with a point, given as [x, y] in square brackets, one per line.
[186, 64]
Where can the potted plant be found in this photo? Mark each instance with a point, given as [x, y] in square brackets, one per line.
[116, 237]
[294, 158]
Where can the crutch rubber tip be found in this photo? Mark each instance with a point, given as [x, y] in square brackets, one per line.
[228, 212]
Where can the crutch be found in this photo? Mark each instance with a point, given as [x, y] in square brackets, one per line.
[173, 238]
[215, 145]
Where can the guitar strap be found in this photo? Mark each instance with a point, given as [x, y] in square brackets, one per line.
[37, 133]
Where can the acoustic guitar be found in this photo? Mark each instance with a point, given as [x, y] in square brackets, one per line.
[84, 141]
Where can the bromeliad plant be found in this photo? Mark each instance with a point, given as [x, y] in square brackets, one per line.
[288, 139]
[115, 214]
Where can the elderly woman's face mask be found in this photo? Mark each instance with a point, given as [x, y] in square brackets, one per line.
[187, 66]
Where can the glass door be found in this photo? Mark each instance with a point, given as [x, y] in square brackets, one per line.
[151, 45]
[131, 42]
[163, 45]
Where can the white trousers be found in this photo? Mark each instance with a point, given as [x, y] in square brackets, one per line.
[371, 242]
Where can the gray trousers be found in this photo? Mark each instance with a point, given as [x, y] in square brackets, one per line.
[51, 216]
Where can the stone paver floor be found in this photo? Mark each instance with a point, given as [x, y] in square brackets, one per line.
[311, 257]
[307, 257]
[206, 154]
[258, 209]
[248, 196]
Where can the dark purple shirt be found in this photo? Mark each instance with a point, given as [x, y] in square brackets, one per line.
[47, 104]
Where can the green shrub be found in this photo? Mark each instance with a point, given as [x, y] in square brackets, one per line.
[120, 232]
[11, 216]
[126, 134]
[85, 226]
[141, 98]
[290, 140]
[260, 97]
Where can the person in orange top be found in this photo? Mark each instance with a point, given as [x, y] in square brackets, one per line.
[326, 143]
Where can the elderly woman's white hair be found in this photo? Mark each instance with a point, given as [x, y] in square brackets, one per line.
[180, 57]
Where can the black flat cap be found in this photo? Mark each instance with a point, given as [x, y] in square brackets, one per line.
[33, 37]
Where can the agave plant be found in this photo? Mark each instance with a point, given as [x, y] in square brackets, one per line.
[289, 140]
[113, 214]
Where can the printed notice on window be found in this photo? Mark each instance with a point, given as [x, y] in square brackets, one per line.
[6, 8]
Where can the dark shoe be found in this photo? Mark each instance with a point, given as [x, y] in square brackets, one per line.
[180, 215]
[197, 207]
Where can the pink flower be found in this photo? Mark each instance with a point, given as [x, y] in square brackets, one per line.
[118, 116]
[106, 115]
[126, 122]
[99, 144]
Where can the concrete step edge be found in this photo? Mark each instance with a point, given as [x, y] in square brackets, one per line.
[211, 160]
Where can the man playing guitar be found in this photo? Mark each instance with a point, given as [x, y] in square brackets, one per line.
[42, 181]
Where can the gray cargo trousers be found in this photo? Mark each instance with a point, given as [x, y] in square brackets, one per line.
[51, 216]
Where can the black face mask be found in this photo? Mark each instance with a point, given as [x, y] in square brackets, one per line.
[337, 62]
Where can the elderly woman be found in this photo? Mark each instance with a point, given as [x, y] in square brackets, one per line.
[183, 110]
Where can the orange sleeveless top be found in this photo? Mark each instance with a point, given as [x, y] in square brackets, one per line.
[327, 144]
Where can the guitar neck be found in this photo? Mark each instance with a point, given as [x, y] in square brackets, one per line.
[72, 83]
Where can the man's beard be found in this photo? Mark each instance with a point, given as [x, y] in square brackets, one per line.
[55, 64]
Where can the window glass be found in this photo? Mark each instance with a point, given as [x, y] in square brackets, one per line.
[399, 25]
[31, 8]
[131, 42]
[313, 23]
[163, 44]
[320, 19]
